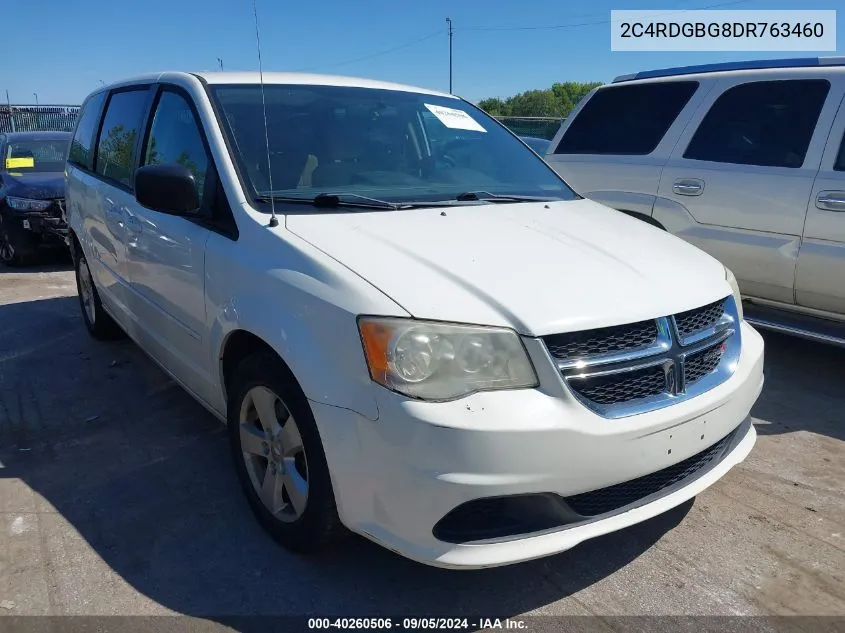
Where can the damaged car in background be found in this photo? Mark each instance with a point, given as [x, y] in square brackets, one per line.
[32, 194]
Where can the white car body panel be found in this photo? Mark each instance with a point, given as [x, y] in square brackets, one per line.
[398, 465]
[584, 248]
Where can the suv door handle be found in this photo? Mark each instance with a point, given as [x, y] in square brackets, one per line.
[831, 201]
[688, 187]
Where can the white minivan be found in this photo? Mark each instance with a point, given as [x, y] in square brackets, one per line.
[411, 325]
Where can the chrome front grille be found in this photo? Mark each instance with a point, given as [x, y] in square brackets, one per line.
[701, 364]
[606, 340]
[692, 322]
[624, 370]
[620, 388]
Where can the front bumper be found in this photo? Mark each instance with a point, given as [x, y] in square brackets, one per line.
[396, 478]
[47, 224]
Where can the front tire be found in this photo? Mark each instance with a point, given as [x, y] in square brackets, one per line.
[98, 322]
[15, 248]
[279, 458]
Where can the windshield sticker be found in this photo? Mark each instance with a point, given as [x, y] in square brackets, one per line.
[455, 119]
[17, 163]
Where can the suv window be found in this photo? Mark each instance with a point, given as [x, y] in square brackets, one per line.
[627, 120]
[175, 138]
[121, 124]
[839, 165]
[766, 123]
[80, 148]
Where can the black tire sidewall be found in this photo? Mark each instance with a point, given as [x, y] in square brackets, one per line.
[17, 238]
[311, 531]
[92, 327]
[104, 327]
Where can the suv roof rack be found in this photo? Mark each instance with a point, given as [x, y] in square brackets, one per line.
[796, 62]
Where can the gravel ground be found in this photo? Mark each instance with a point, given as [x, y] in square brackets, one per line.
[117, 497]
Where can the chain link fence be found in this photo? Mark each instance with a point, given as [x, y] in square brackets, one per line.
[37, 118]
[538, 127]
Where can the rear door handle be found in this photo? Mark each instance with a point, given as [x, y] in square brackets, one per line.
[688, 187]
[831, 201]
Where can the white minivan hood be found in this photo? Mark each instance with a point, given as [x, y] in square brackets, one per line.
[540, 268]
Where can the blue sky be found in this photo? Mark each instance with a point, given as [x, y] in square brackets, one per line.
[63, 50]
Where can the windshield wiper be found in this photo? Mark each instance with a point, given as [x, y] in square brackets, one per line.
[337, 200]
[486, 196]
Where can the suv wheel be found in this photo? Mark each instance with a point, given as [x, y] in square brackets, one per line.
[98, 322]
[279, 456]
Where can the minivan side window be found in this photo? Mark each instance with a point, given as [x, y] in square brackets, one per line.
[80, 153]
[626, 120]
[765, 123]
[175, 138]
[121, 126]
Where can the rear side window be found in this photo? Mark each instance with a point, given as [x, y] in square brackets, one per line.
[83, 139]
[626, 120]
[119, 133]
[765, 123]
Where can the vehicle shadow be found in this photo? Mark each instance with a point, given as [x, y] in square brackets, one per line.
[50, 261]
[804, 388]
[120, 455]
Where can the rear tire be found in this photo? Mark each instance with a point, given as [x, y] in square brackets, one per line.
[279, 458]
[98, 322]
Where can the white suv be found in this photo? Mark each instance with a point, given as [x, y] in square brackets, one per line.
[745, 160]
[410, 323]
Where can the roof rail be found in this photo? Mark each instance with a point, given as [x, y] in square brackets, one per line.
[797, 62]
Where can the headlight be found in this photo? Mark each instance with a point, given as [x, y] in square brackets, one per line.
[26, 204]
[437, 361]
[729, 276]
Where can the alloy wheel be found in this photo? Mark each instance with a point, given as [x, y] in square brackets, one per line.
[274, 455]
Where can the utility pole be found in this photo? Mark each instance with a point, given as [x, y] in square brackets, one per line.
[11, 114]
[220, 61]
[449, 22]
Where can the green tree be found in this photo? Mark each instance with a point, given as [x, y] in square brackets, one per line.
[557, 101]
[493, 106]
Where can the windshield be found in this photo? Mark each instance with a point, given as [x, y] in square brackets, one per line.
[388, 145]
[36, 156]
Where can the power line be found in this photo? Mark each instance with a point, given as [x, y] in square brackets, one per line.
[384, 52]
[425, 38]
[577, 24]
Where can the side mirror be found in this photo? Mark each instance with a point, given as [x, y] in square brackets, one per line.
[167, 188]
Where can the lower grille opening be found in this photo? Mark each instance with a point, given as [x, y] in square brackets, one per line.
[503, 518]
[621, 387]
[603, 500]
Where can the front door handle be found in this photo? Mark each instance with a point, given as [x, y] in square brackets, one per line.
[831, 201]
[688, 187]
